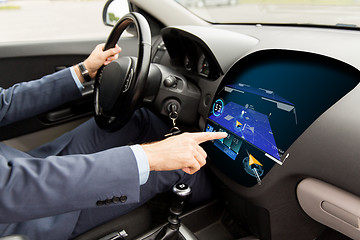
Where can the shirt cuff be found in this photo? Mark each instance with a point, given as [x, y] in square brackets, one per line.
[76, 79]
[142, 162]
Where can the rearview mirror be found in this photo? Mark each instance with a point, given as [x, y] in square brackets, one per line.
[114, 10]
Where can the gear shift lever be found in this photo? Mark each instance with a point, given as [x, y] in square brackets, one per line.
[174, 230]
[182, 193]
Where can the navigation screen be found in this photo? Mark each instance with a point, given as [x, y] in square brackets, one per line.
[265, 102]
[249, 125]
[248, 119]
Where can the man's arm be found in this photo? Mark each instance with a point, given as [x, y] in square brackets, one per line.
[28, 99]
[39, 187]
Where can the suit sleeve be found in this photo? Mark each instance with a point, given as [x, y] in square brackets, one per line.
[35, 188]
[28, 99]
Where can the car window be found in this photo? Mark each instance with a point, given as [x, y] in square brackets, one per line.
[34, 20]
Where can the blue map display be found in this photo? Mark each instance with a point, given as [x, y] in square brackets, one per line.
[249, 125]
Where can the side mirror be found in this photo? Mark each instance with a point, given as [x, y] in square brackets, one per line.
[114, 10]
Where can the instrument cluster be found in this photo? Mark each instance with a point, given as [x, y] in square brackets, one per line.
[190, 55]
[198, 64]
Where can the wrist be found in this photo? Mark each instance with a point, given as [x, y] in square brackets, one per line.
[149, 153]
[78, 73]
[84, 72]
[92, 72]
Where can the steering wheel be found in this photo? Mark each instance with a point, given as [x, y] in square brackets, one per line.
[119, 87]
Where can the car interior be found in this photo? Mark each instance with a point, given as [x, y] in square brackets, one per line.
[286, 94]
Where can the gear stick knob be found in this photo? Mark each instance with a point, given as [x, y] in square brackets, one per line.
[182, 190]
[182, 193]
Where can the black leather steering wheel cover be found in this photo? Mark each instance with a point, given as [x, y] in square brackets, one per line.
[130, 100]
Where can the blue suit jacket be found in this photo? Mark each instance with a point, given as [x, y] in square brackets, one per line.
[42, 197]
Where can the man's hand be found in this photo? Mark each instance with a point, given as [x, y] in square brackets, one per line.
[97, 58]
[180, 152]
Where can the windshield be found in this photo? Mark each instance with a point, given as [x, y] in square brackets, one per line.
[344, 13]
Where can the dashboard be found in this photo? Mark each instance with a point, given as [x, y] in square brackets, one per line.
[264, 101]
[288, 105]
